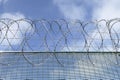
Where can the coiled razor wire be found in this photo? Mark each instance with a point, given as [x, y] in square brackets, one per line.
[87, 48]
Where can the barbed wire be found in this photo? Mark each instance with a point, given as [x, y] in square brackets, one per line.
[39, 36]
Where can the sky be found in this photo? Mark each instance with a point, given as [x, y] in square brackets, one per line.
[71, 10]
[57, 9]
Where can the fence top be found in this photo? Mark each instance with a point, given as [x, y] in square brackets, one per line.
[70, 52]
[60, 36]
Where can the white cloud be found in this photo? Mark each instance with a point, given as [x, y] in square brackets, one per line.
[108, 10]
[79, 9]
[3, 1]
[14, 16]
[101, 10]
[70, 9]
[12, 34]
[106, 35]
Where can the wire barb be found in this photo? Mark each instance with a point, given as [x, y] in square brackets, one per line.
[59, 36]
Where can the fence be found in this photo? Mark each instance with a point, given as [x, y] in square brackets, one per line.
[59, 50]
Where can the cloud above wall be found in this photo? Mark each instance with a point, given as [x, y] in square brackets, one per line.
[12, 33]
[107, 10]
[3, 1]
[70, 9]
[97, 9]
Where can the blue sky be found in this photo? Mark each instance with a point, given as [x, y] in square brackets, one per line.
[50, 9]
[44, 8]
[32, 9]
[60, 9]
[70, 10]
[57, 9]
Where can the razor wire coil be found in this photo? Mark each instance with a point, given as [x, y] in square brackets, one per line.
[59, 49]
[24, 35]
